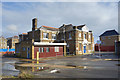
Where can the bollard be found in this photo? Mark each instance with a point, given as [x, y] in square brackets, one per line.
[37, 56]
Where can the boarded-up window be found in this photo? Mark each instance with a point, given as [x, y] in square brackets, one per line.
[80, 48]
[89, 47]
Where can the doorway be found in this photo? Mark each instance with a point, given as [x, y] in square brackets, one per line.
[84, 49]
[28, 54]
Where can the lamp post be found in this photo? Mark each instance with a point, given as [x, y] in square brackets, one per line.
[64, 39]
[99, 42]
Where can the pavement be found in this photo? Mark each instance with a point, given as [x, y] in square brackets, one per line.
[86, 66]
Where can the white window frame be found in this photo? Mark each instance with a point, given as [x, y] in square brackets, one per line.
[54, 36]
[89, 36]
[56, 49]
[45, 35]
[79, 34]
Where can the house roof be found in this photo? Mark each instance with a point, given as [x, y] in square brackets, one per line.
[64, 25]
[24, 33]
[109, 33]
[81, 26]
[49, 27]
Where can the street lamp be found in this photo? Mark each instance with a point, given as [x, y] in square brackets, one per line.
[99, 42]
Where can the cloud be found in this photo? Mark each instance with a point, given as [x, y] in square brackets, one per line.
[0, 18]
[60, 0]
[12, 27]
[97, 16]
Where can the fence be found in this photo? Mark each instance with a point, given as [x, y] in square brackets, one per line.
[7, 50]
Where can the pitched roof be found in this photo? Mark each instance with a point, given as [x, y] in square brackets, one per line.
[64, 25]
[81, 26]
[24, 33]
[49, 27]
[109, 33]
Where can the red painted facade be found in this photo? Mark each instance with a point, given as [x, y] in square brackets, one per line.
[105, 48]
[51, 52]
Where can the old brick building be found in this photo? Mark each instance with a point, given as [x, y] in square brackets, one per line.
[11, 41]
[108, 39]
[50, 41]
[78, 38]
[3, 43]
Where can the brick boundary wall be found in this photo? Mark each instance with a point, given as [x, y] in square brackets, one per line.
[105, 48]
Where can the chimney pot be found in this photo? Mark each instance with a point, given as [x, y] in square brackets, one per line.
[34, 24]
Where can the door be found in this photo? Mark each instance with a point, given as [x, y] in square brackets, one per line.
[84, 49]
[28, 54]
[67, 50]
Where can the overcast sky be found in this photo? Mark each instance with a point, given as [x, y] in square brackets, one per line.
[98, 16]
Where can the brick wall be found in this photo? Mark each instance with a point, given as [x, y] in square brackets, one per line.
[51, 52]
[105, 48]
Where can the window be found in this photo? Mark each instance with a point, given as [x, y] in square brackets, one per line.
[70, 36]
[89, 47]
[79, 34]
[109, 37]
[45, 35]
[85, 36]
[39, 49]
[42, 49]
[56, 49]
[28, 48]
[53, 36]
[80, 47]
[103, 37]
[102, 43]
[62, 37]
[47, 49]
[89, 36]
[23, 48]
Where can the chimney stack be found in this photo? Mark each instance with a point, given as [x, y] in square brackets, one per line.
[34, 24]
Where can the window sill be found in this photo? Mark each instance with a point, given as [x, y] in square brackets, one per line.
[45, 38]
[53, 39]
[69, 38]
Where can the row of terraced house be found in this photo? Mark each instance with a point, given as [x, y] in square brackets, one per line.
[48, 41]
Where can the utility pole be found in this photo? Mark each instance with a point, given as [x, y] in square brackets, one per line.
[64, 39]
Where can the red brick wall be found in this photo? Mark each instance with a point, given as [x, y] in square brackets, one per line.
[51, 53]
[105, 48]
